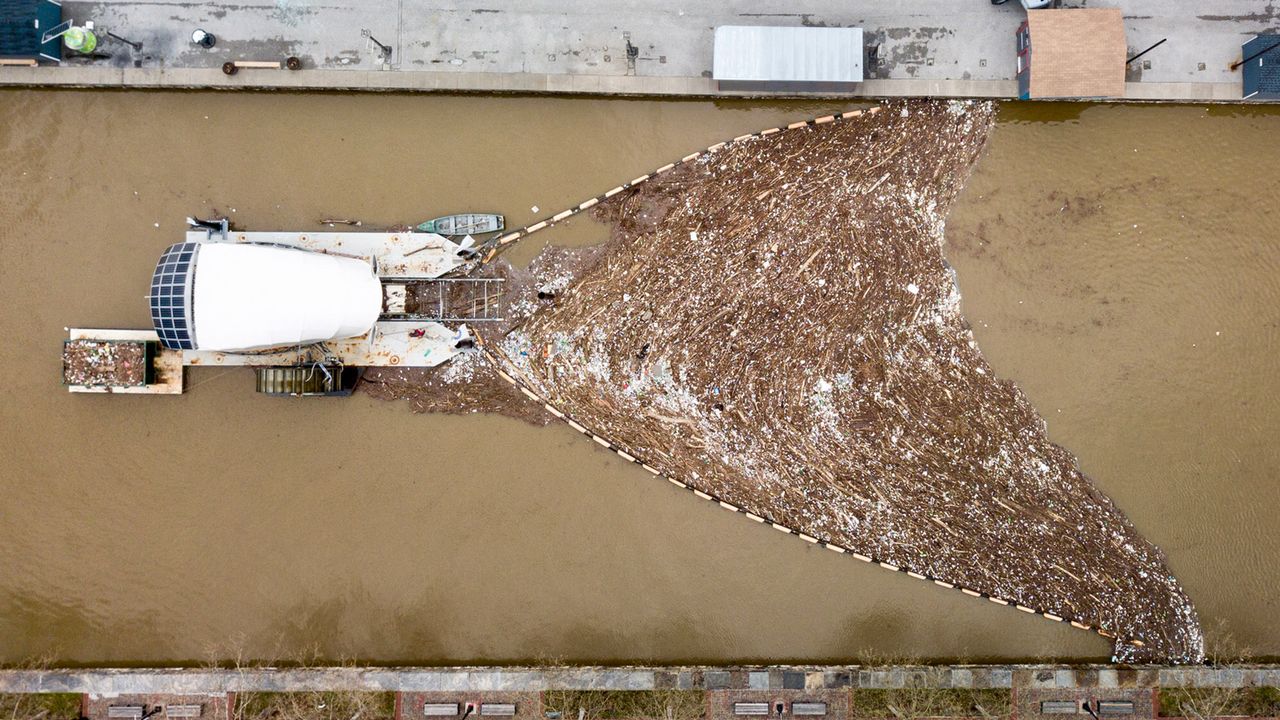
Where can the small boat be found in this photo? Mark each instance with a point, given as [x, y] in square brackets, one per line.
[464, 224]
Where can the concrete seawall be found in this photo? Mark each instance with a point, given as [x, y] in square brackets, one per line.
[550, 84]
[536, 679]
[1011, 692]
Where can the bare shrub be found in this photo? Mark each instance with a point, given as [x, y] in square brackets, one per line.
[1222, 649]
[39, 706]
[628, 704]
[925, 692]
[326, 705]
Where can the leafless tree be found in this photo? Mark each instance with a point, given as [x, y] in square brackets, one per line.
[1222, 649]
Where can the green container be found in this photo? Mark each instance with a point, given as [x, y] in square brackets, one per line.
[80, 39]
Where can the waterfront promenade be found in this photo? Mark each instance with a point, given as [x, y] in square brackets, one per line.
[936, 48]
[834, 692]
[711, 678]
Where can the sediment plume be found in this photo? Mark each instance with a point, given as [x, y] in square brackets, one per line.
[775, 325]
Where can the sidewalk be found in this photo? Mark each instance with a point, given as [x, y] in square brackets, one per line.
[954, 48]
[1017, 692]
[712, 678]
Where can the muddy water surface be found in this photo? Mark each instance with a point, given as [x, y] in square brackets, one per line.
[221, 523]
[1122, 265]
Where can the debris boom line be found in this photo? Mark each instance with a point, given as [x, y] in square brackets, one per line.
[499, 243]
[508, 372]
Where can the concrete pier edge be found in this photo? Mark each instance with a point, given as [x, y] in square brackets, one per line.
[555, 84]
[135, 681]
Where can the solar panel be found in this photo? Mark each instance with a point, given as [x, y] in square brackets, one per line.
[56, 32]
[170, 299]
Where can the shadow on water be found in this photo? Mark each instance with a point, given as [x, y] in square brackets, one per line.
[1040, 111]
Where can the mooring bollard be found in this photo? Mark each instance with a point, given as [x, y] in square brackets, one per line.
[204, 39]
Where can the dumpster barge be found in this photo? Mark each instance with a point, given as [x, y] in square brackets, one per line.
[307, 311]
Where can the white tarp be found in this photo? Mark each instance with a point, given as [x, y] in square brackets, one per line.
[787, 54]
[249, 297]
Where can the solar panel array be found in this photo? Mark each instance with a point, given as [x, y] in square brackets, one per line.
[171, 296]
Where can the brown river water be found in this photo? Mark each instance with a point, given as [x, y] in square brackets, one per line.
[1120, 263]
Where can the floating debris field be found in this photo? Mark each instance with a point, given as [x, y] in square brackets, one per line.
[773, 325]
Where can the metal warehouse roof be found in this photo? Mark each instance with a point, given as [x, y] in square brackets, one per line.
[787, 54]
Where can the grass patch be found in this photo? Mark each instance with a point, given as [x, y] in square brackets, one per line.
[620, 704]
[1220, 702]
[330, 705]
[39, 706]
[917, 702]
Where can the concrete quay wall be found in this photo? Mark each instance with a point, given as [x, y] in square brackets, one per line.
[549, 84]
[537, 679]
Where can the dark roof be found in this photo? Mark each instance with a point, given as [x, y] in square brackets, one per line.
[1262, 74]
[22, 22]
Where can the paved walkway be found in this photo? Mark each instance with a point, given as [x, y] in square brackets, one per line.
[927, 47]
[516, 679]
[522, 693]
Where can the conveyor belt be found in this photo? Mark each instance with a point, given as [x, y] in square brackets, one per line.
[462, 299]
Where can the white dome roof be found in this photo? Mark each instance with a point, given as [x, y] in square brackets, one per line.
[250, 297]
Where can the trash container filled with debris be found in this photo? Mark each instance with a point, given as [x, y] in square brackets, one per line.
[108, 363]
